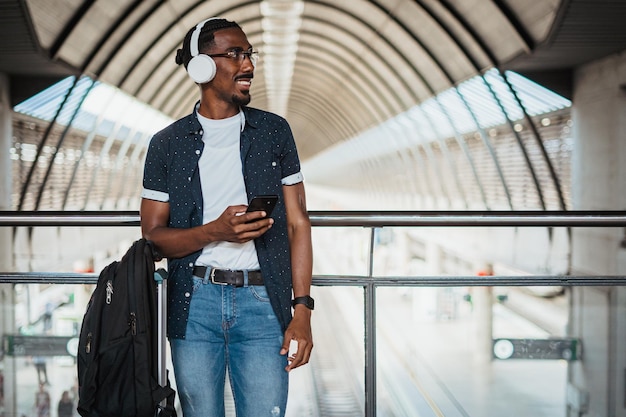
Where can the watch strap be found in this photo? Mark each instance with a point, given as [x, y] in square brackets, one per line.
[307, 300]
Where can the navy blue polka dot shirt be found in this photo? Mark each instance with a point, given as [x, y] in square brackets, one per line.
[268, 154]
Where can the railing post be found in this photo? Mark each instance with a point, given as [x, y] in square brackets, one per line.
[370, 350]
[369, 292]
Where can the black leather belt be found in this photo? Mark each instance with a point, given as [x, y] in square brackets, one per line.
[227, 276]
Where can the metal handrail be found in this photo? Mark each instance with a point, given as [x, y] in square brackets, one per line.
[369, 282]
[363, 280]
[350, 218]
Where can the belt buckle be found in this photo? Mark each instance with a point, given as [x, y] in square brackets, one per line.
[212, 278]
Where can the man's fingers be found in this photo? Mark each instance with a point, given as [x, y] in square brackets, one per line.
[299, 354]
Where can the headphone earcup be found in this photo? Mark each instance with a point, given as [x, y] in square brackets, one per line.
[201, 68]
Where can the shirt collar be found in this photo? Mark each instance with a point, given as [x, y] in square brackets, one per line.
[242, 115]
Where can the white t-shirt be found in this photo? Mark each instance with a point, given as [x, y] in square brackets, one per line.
[221, 179]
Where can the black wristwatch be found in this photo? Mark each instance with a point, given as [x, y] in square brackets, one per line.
[307, 300]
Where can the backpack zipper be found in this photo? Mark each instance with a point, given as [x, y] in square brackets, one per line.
[88, 345]
[109, 292]
[133, 323]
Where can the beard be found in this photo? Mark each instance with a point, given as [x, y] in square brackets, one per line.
[241, 100]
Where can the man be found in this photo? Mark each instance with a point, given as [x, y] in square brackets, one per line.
[232, 272]
[42, 402]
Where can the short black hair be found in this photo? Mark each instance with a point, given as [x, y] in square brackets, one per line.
[206, 38]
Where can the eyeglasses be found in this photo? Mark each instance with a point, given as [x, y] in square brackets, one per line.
[239, 55]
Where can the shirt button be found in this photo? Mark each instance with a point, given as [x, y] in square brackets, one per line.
[201, 132]
[187, 294]
[189, 179]
[273, 164]
[197, 151]
[190, 264]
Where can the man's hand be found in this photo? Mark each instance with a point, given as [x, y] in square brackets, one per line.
[235, 225]
[299, 330]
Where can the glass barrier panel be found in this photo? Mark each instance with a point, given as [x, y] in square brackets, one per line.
[442, 351]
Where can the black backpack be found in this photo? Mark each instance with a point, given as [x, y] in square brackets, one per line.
[117, 354]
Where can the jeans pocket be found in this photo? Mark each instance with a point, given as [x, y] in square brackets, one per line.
[259, 292]
[197, 282]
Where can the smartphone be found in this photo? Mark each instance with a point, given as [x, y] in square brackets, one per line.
[264, 203]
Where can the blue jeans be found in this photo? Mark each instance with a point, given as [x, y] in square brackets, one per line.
[235, 329]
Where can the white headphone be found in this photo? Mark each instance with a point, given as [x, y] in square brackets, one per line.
[201, 68]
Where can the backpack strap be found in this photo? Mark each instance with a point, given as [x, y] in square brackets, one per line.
[165, 393]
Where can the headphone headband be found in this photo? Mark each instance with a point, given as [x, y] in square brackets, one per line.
[194, 48]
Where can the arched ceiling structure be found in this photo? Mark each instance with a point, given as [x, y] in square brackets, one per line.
[356, 63]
